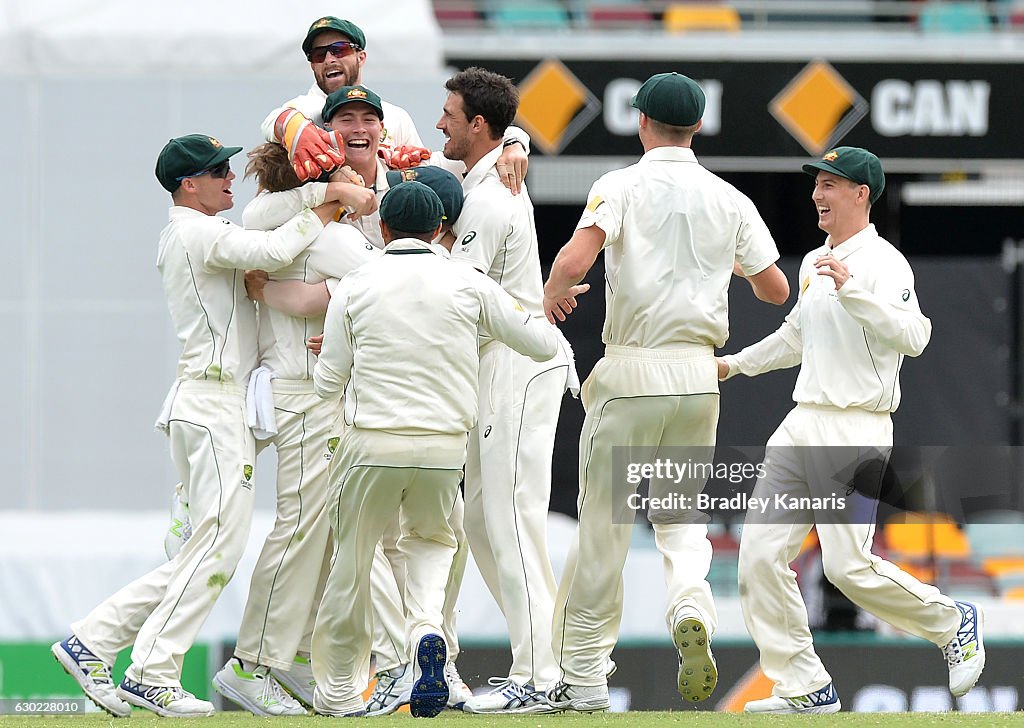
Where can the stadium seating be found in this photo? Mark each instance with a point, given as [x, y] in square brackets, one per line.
[685, 17]
[521, 14]
[611, 15]
[455, 14]
[931, 547]
[938, 16]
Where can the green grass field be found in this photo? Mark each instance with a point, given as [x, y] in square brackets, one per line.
[450, 719]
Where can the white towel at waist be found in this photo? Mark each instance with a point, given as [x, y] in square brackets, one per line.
[165, 410]
[572, 379]
[259, 404]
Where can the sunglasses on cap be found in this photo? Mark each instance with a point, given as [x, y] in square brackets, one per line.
[341, 49]
[219, 171]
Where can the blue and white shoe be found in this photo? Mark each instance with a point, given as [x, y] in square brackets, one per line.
[429, 687]
[965, 654]
[92, 674]
[164, 700]
[392, 691]
[825, 700]
[508, 696]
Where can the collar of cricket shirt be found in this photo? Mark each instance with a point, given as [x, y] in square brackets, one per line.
[853, 243]
[411, 246]
[483, 167]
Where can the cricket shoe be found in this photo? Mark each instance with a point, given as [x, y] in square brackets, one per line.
[508, 696]
[91, 673]
[965, 654]
[257, 691]
[458, 691]
[392, 691]
[164, 700]
[180, 529]
[298, 680]
[698, 673]
[824, 700]
[429, 689]
[580, 698]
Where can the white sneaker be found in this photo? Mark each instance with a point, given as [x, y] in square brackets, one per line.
[167, 701]
[508, 696]
[91, 673]
[392, 691]
[298, 680]
[965, 654]
[429, 689]
[824, 700]
[458, 691]
[582, 699]
[698, 673]
[256, 691]
[180, 529]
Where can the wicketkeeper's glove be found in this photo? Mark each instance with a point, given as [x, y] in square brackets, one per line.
[311, 150]
[404, 156]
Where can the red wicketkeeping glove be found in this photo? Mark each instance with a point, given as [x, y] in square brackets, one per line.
[311, 150]
[403, 157]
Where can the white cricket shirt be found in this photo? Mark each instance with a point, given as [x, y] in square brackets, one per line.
[202, 259]
[495, 233]
[850, 344]
[335, 253]
[401, 341]
[672, 232]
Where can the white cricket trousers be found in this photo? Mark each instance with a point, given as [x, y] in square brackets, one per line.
[507, 490]
[388, 582]
[638, 398]
[162, 612]
[285, 579]
[377, 475]
[797, 463]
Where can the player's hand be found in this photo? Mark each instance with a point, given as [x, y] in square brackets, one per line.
[723, 368]
[311, 150]
[558, 307]
[356, 199]
[347, 174]
[829, 265]
[315, 344]
[512, 166]
[403, 156]
[255, 280]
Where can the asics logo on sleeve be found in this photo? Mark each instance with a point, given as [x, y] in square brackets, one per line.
[468, 239]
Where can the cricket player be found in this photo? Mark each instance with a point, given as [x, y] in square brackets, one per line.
[856, 318]
[393, 676]
[411, 305]
[672, 232]
[336, 51]
[287, 575]
[201, 260]
[508, 469]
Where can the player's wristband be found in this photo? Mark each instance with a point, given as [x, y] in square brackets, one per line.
[509, 142]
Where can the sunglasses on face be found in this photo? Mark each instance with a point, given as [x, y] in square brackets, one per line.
[341, 49]
[219, 171]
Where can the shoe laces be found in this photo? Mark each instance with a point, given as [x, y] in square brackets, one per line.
[98, 670]
[515, 694]
[272, 693]
[559, 692]
[385, 691]
[451, 673]
[962, 646]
